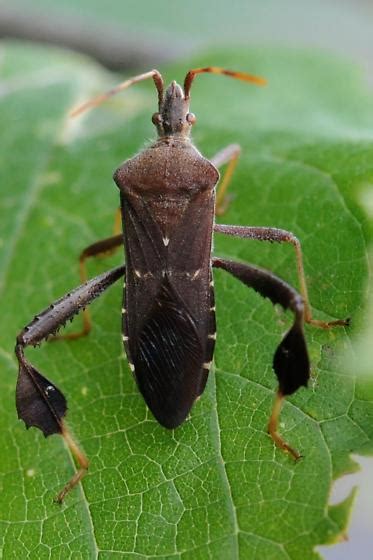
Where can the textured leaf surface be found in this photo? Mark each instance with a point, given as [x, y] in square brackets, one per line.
[216, 487]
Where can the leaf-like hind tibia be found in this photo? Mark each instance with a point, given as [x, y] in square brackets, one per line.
[39, 402]
[291, 362]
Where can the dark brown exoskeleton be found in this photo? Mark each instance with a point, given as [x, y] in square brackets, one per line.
[167, 195]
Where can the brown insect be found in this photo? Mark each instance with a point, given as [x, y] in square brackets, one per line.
[168, 206]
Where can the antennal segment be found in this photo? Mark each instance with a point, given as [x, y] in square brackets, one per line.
[96, 101]
[217, 70]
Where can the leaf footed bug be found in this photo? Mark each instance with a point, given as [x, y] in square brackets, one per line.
[167, 195]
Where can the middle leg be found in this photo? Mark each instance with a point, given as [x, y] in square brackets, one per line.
[104, 247]
[275, 235]
[100, 248]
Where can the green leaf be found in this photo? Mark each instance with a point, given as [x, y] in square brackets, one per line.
[216, 487]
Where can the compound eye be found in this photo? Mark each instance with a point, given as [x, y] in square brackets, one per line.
[191, 118]
[156, 118]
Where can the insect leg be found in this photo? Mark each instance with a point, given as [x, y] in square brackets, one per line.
[228, 155]
[282, 236]
[100, 248]
[39, 402]
[104, 247]
[117, 222]
[290, 362]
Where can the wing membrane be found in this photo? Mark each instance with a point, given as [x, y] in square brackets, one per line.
[168, 359]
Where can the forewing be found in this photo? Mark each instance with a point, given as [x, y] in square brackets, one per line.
[168, 358]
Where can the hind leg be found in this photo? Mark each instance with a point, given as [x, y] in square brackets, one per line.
[39, 402]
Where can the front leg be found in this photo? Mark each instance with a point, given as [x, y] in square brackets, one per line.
[290, 362]
[230, 156]
[39, 402]
[275, 235]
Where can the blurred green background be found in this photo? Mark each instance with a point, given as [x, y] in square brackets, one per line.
[167, 29]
